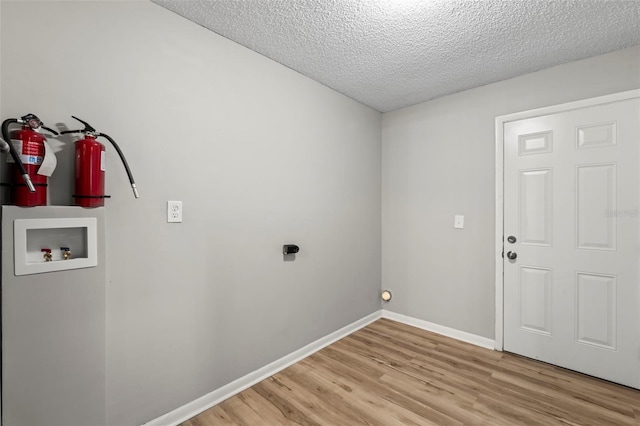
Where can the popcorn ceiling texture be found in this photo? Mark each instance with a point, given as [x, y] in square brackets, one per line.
[393, 53]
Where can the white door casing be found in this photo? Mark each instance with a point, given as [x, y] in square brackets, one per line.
[571, 184]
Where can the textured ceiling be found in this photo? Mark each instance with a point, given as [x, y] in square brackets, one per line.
[393, 53]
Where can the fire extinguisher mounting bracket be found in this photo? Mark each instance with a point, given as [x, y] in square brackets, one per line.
[91, 196]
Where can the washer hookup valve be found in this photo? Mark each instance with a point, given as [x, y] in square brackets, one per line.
[66, 253]
[47, 254]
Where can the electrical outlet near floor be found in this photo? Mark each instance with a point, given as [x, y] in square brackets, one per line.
[174, 211]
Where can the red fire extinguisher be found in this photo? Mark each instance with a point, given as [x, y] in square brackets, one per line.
[90, 167]
[28, 180]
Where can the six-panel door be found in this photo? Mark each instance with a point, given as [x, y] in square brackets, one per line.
[571, 200]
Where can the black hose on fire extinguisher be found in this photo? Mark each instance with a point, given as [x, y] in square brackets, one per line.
[124, 163]
[16, 157]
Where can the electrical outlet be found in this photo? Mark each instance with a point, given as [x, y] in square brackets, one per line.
[174, 211]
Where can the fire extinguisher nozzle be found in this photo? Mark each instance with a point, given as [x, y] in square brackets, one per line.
[27, 180]
[135, 190]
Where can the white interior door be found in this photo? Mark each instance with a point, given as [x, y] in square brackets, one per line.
[571, 227]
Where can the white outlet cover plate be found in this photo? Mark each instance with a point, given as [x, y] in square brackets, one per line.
[458, 221]
[174, 211]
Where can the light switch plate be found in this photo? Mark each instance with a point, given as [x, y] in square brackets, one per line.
[458, 221]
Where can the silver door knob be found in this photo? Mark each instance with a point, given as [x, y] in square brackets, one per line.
[512, 255]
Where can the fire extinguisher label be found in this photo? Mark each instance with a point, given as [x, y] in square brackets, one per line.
[50, 161]
[103, 161]
[29, 153]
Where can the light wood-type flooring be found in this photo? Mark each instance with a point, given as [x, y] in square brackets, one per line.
[392, 374]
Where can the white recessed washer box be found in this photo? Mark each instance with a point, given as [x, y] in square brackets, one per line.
[31, 236]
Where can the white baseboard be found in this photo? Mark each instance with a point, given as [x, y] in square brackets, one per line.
[441, 329]
[207, 401]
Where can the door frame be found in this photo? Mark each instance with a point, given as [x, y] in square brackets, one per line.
[500, 121]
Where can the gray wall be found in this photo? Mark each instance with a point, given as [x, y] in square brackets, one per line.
[53, 332]
[439, 161]
[259, 155]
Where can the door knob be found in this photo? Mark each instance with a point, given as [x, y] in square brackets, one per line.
[512, 255]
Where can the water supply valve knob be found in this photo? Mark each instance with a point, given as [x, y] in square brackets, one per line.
[66, 253]
[47, 254]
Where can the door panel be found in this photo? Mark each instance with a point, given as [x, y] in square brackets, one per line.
[596, 313]
[535, 299]
[596, 195]
[571, 200]
[536, 207]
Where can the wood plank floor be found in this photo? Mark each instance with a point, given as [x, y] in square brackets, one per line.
[392, 374]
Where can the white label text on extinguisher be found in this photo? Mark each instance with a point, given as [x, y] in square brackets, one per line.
[28, 155]
[103, 161]
[49, 162]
